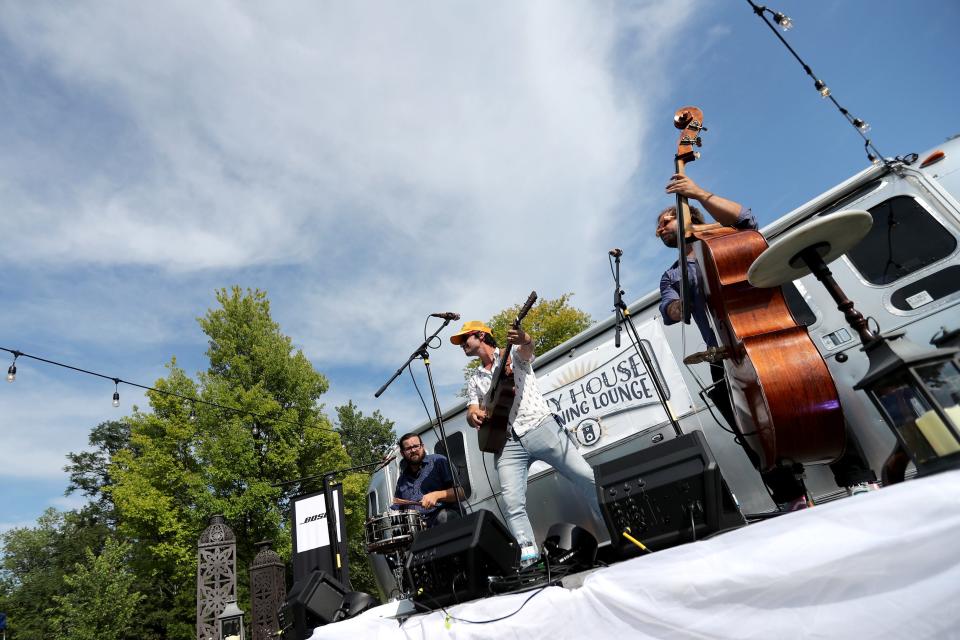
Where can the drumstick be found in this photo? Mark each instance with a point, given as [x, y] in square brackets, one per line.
[406, 502]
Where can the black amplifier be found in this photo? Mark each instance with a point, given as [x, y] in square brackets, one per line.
[451, 563]
[665, 495]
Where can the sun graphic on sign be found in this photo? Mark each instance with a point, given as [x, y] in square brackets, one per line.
[573, 373]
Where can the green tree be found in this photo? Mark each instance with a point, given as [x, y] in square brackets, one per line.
[34, 565]
[368, 439]
[180, 469]
[549, 322]
[99, 603]
[90, 470]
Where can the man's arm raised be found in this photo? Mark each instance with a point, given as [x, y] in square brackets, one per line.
[724, 211]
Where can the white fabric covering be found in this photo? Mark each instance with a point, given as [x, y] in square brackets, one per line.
[884, 564]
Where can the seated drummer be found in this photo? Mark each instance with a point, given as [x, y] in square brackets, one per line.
[425, 483]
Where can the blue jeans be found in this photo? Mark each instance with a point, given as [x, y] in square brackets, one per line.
[551, 443]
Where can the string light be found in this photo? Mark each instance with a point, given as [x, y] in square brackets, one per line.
[12, 369]
[786, 23]
[118, 381]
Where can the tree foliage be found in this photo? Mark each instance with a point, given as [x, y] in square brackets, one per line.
[549, 323]
[180, 470]
[34, 567]
[156, 477]
[99, 602]
[368, 439]
[90, 470]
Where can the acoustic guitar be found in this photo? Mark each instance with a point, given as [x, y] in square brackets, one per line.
[498, 400]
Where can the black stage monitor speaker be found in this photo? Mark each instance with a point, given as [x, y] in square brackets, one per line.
[450, 563]
[665, 495]
[313, 601]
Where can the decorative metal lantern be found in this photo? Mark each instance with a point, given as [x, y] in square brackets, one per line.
[917, 391]
[231, 623]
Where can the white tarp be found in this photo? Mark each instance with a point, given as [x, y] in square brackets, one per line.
[881, 565]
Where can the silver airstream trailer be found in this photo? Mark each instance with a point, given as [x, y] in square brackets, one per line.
[905, 275]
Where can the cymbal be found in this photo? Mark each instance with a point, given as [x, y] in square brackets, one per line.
[832, 236]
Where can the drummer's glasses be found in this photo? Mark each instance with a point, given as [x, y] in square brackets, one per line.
[412, 447]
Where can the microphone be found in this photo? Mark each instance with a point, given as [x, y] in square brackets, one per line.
[616, 253]
[449, 315]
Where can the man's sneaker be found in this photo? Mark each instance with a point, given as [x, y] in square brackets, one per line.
[862, 487]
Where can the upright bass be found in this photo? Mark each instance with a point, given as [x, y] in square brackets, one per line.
[783, 396]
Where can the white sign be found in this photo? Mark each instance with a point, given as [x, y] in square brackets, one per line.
[310, 514]
[919, 299]
[587, 392]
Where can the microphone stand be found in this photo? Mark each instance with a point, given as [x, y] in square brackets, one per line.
[423, 353]
[623, 316]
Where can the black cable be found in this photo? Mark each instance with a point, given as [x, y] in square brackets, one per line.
[509, 615]
[423, 402]
[857, 123]
[119, 381]
[493, 494]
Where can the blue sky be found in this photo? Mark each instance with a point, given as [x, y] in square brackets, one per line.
[343, 156]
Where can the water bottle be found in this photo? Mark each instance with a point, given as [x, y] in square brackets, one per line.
[528, 551]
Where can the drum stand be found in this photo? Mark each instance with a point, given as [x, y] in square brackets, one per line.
[399, 563]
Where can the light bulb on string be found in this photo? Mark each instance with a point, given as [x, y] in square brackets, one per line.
[784, 21]
[822, 87]
[12, 369]
[870, 155]
[861, 125]
[116, 392]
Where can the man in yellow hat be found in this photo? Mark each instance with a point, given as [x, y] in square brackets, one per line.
[534, 432]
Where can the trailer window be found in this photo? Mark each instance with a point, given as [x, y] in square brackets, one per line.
[904, 238]
[802, 312]
[457, 458]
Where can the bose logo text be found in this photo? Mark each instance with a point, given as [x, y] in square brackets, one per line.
[319, 516]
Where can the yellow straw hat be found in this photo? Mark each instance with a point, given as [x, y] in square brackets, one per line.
[472, 326]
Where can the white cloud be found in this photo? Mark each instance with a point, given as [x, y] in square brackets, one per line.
[366, 163]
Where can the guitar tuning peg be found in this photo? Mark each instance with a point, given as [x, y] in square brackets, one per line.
[696, 154]
[698, 141]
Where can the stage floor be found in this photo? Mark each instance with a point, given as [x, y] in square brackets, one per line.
[883, 564]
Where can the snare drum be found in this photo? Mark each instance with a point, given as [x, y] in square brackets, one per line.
[393, 530]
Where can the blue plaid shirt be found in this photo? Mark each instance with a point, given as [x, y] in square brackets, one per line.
[670, 286]
[434, 475]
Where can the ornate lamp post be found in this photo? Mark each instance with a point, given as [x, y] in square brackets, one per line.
[917, 391]
[231, 623]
